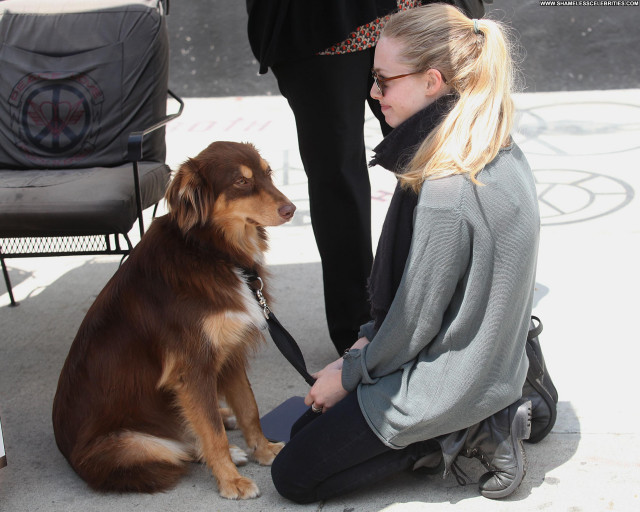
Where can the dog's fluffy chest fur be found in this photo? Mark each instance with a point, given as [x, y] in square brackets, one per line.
[234, 324]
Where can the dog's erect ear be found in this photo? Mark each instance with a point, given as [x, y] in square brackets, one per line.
[188, 197]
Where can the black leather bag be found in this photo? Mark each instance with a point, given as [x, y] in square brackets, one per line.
[539, 387]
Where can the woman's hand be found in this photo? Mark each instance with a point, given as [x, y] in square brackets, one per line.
[327, 390]
[335, 365]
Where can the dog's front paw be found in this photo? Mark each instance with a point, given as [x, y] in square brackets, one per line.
[239, 488]
[267, 452]
[238, 455]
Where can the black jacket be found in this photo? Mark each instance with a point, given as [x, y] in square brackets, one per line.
[284, 30]
[281, 30]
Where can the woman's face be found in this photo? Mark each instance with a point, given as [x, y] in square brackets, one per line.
[405, 96]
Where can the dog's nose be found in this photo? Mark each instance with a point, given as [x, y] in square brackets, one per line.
[286, 211]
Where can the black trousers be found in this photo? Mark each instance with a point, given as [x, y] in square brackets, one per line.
[327, 94]
[334, 453]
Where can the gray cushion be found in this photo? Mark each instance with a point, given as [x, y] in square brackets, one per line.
[75, 201]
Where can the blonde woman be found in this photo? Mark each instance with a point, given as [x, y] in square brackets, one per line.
[440, 369]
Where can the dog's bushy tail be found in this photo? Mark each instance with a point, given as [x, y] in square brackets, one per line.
[130, 461]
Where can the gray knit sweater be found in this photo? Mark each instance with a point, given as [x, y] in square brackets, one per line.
[451, 350]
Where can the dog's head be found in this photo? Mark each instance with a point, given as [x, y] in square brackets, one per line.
[229, 186]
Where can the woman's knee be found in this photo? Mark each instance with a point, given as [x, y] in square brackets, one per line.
[288, 479]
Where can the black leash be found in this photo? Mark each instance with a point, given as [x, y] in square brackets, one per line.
[281, 337]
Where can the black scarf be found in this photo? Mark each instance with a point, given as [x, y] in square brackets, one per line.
[394, 153]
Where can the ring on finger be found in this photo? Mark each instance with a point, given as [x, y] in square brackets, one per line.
[316, 409]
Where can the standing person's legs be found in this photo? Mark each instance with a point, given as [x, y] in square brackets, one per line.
[337, 453]
[327, 95]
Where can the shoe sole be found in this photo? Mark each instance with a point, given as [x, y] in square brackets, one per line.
[520, 430]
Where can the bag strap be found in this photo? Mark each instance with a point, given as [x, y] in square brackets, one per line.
[534, 331]
[281, 337]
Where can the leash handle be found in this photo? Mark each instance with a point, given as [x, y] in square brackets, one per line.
[288, 347]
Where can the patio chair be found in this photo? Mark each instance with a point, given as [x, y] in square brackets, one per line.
[83, 105]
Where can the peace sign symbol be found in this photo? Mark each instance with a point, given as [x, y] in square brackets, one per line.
[56, 118]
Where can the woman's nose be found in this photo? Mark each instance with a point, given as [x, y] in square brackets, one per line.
[375, 92]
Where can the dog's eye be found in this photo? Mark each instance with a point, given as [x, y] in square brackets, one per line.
[243, 182]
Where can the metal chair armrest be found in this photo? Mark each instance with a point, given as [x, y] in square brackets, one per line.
[134, 145]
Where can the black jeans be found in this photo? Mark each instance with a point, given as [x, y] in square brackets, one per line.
[335, 453]
[327, 94]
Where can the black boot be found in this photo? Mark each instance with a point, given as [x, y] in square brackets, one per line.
[539, 388]
[497, 443]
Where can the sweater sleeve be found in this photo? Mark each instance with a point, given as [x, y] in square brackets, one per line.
[437, 261]
[367, 330]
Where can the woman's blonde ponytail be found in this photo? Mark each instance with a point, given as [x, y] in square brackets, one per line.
[475, 58]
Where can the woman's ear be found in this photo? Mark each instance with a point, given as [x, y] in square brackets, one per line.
[434, 83]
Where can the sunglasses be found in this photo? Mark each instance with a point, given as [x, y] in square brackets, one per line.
[381, 81]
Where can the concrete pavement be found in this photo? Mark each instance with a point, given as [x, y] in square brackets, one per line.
[584, 149]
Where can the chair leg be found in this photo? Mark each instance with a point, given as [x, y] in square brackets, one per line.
[136, 183]
[7, 281]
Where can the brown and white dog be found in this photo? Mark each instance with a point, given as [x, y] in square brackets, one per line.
[169, 336]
